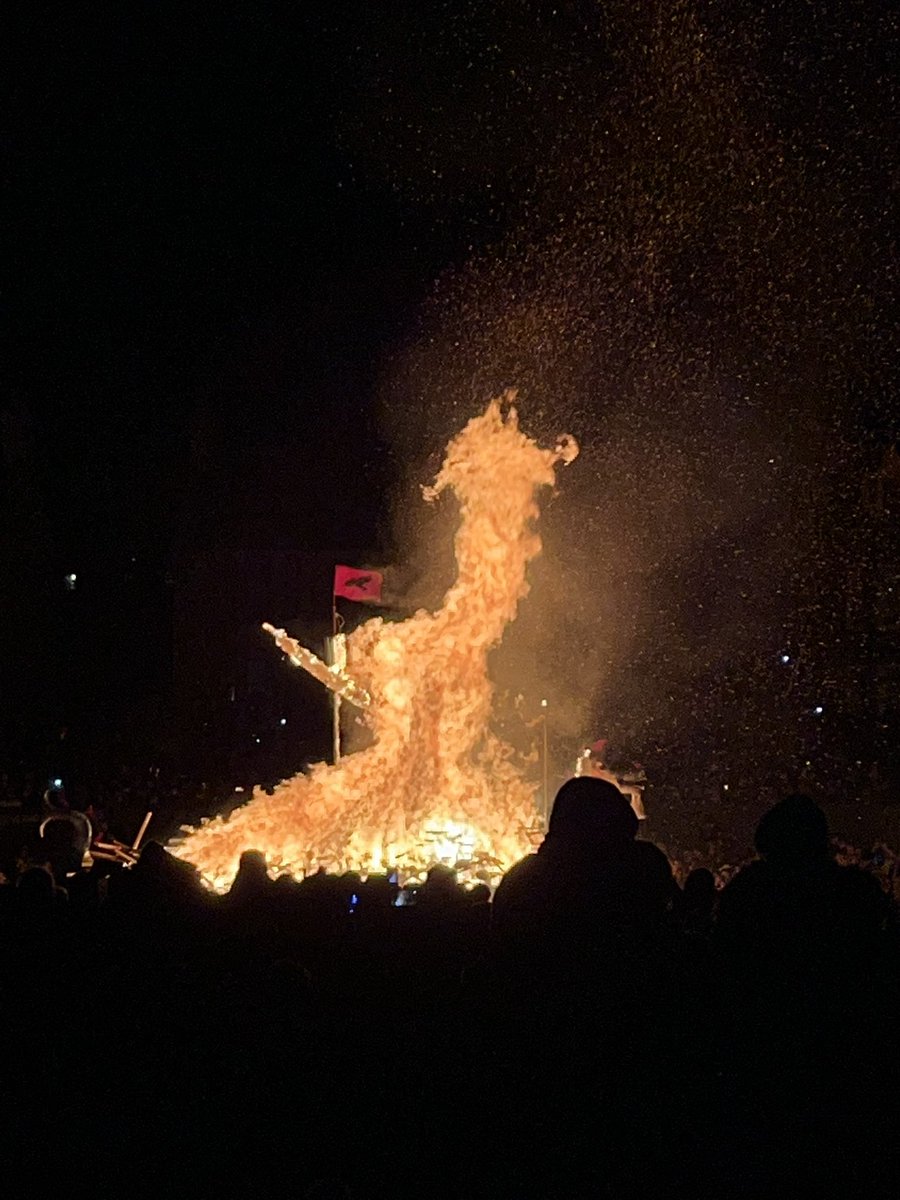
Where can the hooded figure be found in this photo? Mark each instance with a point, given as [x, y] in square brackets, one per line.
[795, 901]
[591, 887]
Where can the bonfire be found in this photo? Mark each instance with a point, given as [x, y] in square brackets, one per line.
[436, 784]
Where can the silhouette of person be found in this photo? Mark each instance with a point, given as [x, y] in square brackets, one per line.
[251, 883]
[590, 884]
[795, 900]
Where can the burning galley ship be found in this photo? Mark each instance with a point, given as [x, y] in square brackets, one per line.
[435, 784]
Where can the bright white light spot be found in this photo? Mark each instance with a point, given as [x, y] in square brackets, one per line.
[725, 787]
[543, 704]
[70, 580]
[57, 783]
[283, 721]
[785, 658]
[818, 710]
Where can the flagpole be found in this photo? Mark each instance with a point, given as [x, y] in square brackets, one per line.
[335, 698]
[357, 585]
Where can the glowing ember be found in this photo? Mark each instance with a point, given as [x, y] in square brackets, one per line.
[436, 785]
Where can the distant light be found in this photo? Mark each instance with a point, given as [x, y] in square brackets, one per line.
[256, 739]
[70, 580]
[785, 658]
[818, 710]
[57, 783]
[724, 787]
[283, 721]
[543, 704]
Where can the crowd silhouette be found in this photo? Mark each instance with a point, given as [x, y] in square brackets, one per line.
[594, 1028]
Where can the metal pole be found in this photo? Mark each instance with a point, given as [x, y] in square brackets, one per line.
[135, 845]
[545, 768]
[335, 698]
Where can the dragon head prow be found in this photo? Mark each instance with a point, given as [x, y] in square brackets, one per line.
[491, 444]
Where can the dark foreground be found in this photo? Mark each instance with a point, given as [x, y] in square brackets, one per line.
[596, 1031]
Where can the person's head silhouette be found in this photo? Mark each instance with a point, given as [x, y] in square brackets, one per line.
[793, 832]
[588, 810]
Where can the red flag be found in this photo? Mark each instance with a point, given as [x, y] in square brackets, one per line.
[354, 584]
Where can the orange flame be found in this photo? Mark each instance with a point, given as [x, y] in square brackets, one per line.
[436, 785]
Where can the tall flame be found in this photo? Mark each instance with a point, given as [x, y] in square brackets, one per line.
[436, 784]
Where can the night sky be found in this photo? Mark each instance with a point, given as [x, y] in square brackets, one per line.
[260, 271]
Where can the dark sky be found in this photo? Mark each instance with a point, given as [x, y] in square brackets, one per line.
[260, 269]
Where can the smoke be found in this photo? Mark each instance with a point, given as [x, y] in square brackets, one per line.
[684, 285]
